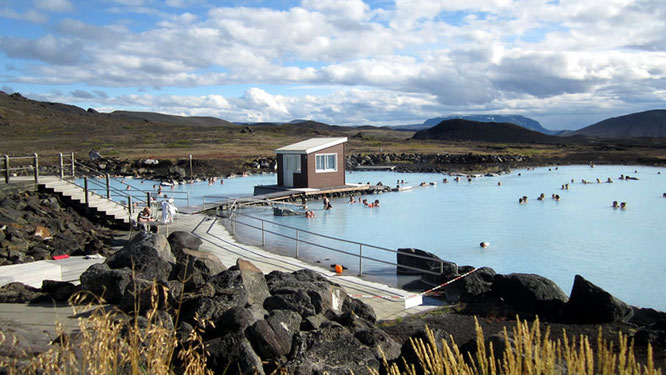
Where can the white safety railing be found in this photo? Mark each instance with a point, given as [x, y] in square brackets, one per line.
[317, 240]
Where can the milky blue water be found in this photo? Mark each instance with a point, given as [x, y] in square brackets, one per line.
[623, 251]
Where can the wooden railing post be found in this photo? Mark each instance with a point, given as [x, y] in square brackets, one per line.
[6, 168]
[62, 169]
[36, 165]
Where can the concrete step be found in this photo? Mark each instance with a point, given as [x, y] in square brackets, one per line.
[70, 192]
[103, 206]
[106, 207]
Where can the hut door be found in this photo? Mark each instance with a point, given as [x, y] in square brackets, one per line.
[292, 164]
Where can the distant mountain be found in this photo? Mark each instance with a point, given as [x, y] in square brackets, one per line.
[411, 128]
[650, 124]
[465, 130]
[519, 120]
[171, 119]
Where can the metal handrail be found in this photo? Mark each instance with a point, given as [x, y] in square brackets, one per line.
[144, 191]
[124, 193]
[234, 214]
[228, 198]
[249, 200]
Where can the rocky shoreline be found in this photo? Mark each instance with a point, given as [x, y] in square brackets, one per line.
[179, 171]
[37, 226]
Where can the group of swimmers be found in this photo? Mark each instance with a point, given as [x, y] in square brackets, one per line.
[623, 205]
[542, 196]
[364, 201]
[212, 180]
[608, 180]
[327, 204]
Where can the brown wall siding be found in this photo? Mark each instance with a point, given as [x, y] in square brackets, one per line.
[318, 180]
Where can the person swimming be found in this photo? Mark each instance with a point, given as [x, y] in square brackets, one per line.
[327, 202]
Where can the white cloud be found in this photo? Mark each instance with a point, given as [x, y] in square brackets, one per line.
[57, 6]
[31, 15]
[47, 48]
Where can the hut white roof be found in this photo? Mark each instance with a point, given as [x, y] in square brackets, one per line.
[311, 145]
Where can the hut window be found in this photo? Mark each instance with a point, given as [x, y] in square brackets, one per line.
[326, 162]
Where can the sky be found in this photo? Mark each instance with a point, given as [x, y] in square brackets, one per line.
[564, 63]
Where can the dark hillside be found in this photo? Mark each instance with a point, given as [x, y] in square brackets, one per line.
[519, 120]
[171, 119]
[650, 124]
[465, 130]
[301, 128]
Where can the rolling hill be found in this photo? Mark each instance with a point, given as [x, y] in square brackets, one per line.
[465, 130]
[650, 124]
[519, 120]
[171, 119]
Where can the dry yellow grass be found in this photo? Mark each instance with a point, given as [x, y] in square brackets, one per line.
[111, 343]
[527, 352]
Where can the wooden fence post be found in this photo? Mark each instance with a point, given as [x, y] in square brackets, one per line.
[7, 169]
[36, 168]
[62, 170]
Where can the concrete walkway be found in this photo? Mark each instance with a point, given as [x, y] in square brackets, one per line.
[33, 273]
[217, 240]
